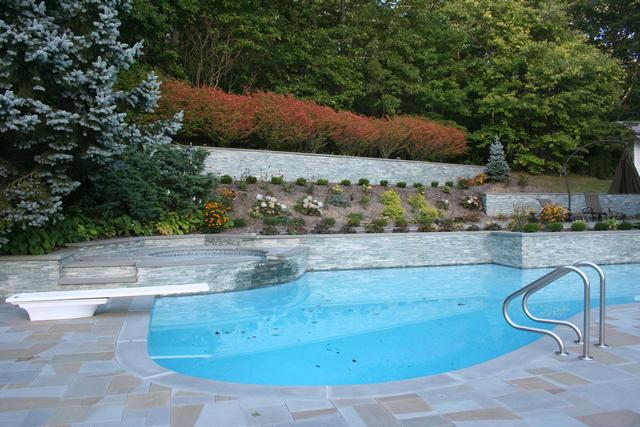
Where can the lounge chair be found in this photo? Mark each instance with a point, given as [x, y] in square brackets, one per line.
[592, 201]
[83, 303]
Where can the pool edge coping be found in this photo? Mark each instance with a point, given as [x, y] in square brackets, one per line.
[131, 352]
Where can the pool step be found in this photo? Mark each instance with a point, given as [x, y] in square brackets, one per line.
[92, 272]
[96, 280]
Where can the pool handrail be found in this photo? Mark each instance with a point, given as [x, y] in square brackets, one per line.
[603, 299]
[541, 283]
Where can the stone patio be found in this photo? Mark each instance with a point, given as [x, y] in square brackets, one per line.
[86, 372]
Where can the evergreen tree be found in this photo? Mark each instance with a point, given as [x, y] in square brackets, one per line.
[497, 167]
[61, 114]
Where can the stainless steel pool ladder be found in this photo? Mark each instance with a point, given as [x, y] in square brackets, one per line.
[547, 279]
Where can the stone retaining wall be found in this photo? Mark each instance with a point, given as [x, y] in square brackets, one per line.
[502, 203]
[327, 252]
[265, 164]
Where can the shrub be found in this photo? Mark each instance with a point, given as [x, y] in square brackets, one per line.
[226, 179]
[613, 223]
[242, 186]
[553, 213]
[275, 220]
[39, 241]
[328, 221]
[376, 226]
[354, 219]
[251, 179]
[347, 229]
[341, 200]
[471, 202]
[364, 201]
[449, 184]
[417, 185]
[345, 182]
[321, 228]
[173, 223]
[269, 230]
[449, 224]
[463, 183]
[322, 181]
[497, 167]
[492, 226]
[145, 183]
[363, 181]
[601, 226]
[392, 205]
[309, 206]
[520, 216]
[296, 226]
[384, 183]
[277, 179]
[579, 225]
[531, 227]
[301, 181]
[625, 226]
[401, 222]
[268, 206]
[555, 227]
[446, 189]
[473, 227]
[428, 228]
[435, 184]
[401, 225]
[269, 120]
[216, 216]
[479, 179]
[423, 211]
[239, 222]
[401, 184]
[442, 204]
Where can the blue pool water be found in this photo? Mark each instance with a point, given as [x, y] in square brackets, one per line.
[362, 326]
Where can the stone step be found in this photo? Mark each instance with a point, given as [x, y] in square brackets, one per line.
[97, 272]
[96, 280]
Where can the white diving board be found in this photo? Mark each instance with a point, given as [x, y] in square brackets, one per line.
[75, 304]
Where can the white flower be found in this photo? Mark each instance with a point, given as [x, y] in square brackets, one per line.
[320, 204]
[283, 207]
[259, 197]
[263, 204]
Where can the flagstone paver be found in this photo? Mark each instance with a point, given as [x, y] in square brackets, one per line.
[68, 372]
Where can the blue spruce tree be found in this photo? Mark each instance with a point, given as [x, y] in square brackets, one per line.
[497, 167]
[61, 115]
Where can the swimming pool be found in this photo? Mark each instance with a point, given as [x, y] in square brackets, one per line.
[362, 326]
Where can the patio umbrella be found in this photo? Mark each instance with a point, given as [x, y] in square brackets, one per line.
[626, 179]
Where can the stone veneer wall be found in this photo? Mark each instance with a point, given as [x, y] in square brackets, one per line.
[328, 252]
[496, 203]
[265, 164]
[349, 251]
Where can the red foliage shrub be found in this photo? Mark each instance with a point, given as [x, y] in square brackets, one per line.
[281, 122]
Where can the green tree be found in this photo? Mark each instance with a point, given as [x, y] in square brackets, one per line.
[614, 27]
[497, 167]
[61, 117]
[517, 69]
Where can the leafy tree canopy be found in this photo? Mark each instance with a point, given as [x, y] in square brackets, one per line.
[513, 68]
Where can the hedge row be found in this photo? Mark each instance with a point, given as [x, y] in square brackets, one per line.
[278, 122]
